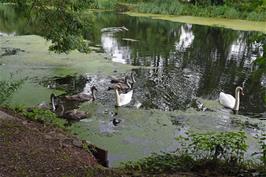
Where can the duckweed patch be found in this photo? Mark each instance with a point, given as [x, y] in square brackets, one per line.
[244, 25]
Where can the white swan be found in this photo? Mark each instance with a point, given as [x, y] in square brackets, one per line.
[229, 101]
[123, 98]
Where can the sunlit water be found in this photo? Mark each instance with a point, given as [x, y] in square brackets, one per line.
[183, 62]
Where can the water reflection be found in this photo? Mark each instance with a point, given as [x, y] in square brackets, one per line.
[111, 46]
[186, 37]
[190, 61]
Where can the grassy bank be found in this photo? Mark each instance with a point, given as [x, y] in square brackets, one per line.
[221, 11]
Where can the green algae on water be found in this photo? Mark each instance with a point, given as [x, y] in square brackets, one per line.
[243, 25]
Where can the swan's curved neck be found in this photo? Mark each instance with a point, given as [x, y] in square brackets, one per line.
[237, 97]
[117, 97]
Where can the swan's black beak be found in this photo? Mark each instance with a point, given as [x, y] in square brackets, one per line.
[242, 93]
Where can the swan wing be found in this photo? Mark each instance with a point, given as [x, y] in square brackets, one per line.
[79, 97]
[227, 100]
[125, 98]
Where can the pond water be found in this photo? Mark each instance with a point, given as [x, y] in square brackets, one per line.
[175, 64]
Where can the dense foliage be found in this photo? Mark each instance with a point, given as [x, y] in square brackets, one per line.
[239, 9]
[250, 11]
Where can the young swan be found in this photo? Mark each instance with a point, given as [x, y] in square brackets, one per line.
[72, 114]
[229, 101]
[123, 80]
[83, 96]
[122, 86]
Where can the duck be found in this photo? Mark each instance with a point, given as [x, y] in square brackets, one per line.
[116, 121]
[122, 98]
[83, 96]
[73, 115]
[229, 101]
[115, 80]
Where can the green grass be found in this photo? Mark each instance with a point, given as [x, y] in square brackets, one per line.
[38, 115]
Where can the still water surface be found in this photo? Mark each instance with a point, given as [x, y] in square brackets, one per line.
[188, 60]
